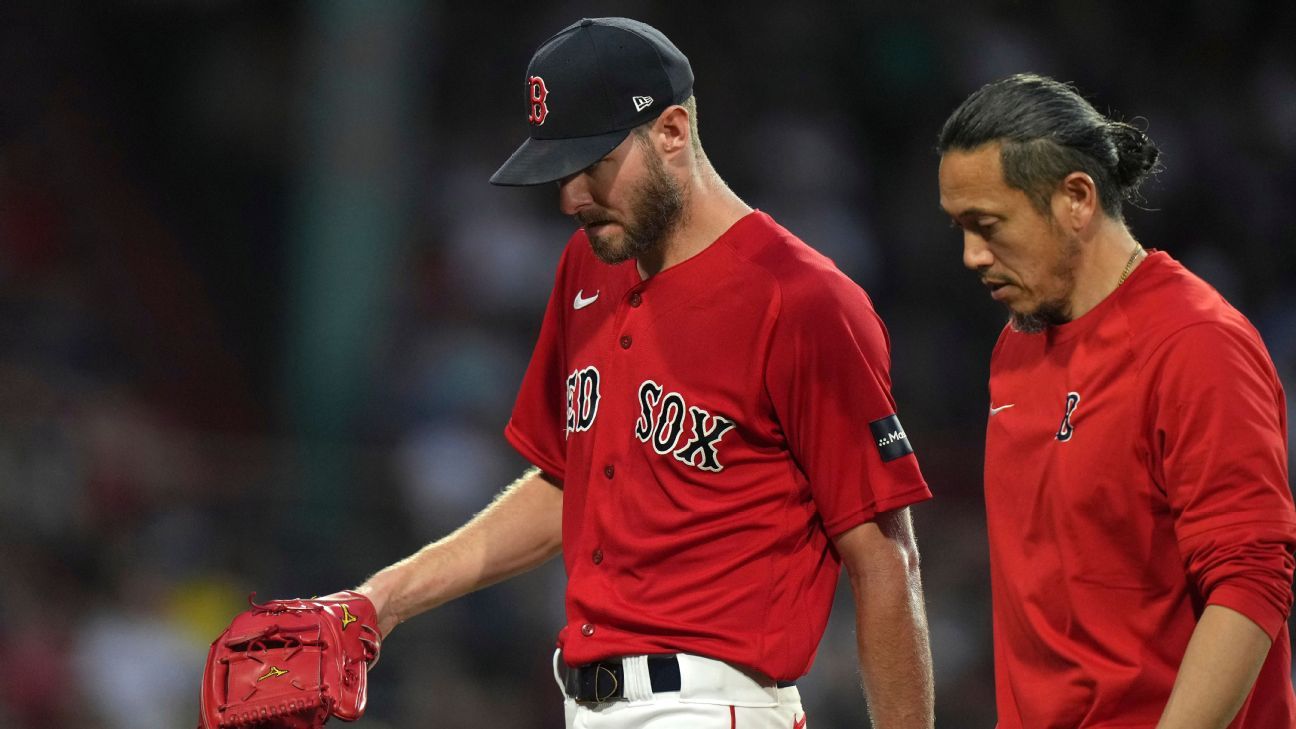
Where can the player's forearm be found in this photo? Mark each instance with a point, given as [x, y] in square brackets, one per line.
[895, 657]
[1219, 668]
[520, 530]
[891, 625]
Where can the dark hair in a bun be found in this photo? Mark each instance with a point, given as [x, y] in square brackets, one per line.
[1136, 154]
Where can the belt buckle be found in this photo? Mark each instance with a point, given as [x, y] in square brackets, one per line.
[607, 682]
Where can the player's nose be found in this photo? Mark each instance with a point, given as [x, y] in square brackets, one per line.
[976, 254]
[573, 193]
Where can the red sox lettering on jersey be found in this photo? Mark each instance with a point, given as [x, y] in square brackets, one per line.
[661, 421]
[582, 399]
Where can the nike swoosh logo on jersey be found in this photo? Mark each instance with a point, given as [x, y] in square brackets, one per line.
[996, 410]
[581, 302]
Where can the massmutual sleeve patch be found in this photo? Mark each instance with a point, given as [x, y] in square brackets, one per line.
[889, 435]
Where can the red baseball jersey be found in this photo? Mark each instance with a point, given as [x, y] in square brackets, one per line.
[1136, 471]
[714, 426]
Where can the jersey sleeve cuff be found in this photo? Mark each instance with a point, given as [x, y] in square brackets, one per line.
[529, 451]
[1262, 612]
[842, 524]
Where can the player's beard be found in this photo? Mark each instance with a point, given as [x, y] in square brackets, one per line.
[656, 209]
[1056, 310]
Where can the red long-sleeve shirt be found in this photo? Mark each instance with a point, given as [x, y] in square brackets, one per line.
[1136, 471]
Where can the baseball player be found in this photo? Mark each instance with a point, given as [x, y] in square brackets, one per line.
[708, 411]
[1140, 519]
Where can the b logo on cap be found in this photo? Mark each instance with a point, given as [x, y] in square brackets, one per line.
[536, 94]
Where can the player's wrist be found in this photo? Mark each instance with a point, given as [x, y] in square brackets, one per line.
[380, 592]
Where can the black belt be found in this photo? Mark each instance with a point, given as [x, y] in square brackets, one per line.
[595, 683]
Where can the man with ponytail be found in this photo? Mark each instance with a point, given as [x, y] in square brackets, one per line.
[1140, 518]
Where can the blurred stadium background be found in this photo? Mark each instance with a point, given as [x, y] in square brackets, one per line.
[262, 318]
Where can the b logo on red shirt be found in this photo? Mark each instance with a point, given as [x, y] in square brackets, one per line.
[661, 422]
[1066, 430]
[536, 95]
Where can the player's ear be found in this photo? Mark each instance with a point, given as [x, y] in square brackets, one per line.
[670, 132]
[1076, 201]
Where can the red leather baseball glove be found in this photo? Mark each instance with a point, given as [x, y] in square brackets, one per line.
[291, 664]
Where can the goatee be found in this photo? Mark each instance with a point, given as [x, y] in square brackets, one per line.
[1027, 323]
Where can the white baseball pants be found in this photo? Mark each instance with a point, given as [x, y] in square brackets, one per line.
[712, 695]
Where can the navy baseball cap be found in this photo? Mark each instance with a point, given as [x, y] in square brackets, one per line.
[586, 88]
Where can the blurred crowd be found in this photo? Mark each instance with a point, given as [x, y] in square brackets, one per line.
[262, 319]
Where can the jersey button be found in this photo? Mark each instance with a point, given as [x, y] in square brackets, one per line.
[625, 341]
[587, 629]
[609, 471]
[635, 299]
[598, 556]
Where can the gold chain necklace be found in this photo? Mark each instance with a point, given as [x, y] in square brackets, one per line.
[1129, 265]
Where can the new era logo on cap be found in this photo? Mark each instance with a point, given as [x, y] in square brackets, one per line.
[586, 88]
